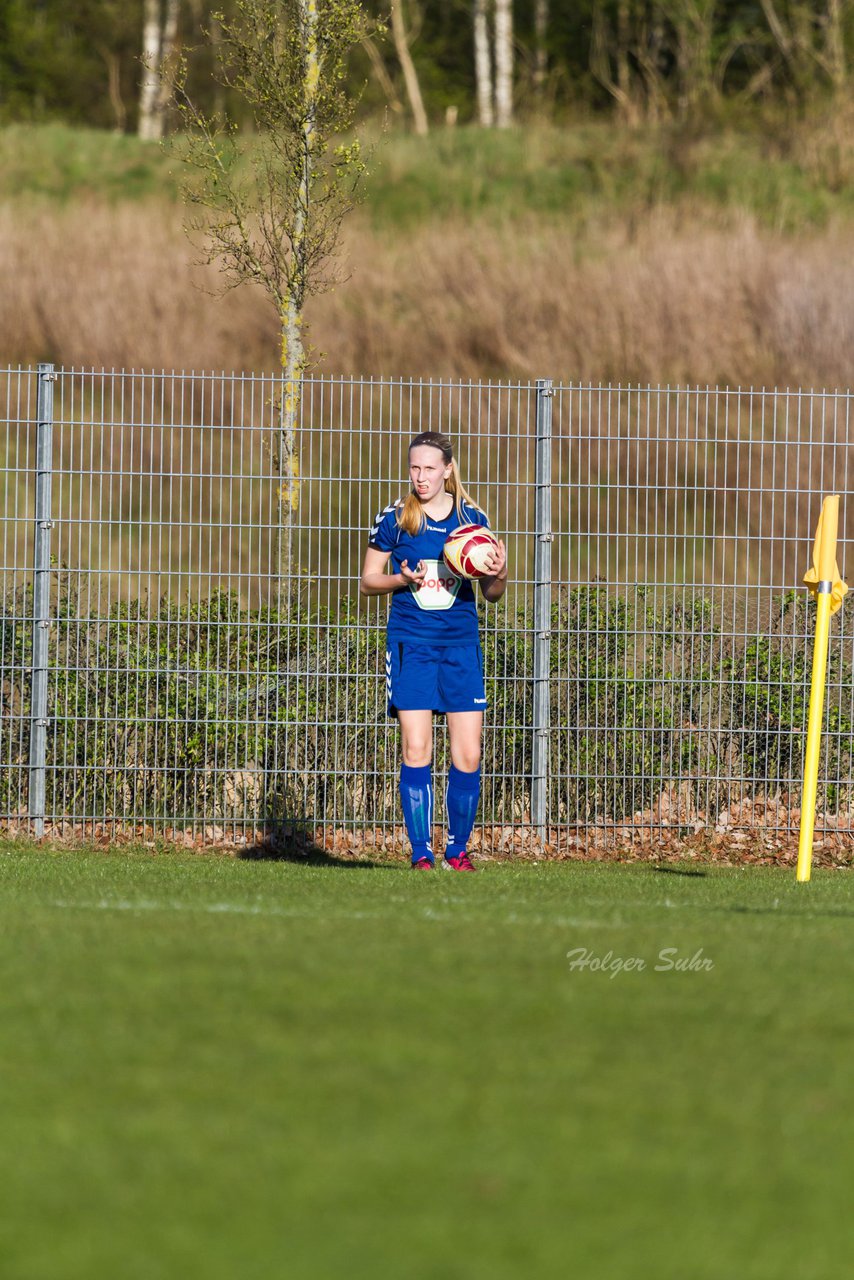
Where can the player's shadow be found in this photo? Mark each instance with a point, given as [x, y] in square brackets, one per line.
[679, 871]
[286, 844]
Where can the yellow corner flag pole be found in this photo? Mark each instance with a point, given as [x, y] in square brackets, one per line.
[825, 583]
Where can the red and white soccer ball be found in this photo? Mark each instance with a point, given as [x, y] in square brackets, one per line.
[468, 549]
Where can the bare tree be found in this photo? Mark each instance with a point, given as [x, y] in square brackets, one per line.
[609, 60]
[692, 22]
[810, 36]
[410, 76]
[381, 72]
[650, 52]
[835, 45]
[541, 32]
[114, 85]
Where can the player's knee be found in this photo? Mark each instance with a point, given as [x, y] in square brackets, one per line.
[417, 752]
[468, 761]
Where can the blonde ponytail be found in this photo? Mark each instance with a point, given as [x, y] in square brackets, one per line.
[454, 486]
[410, 515]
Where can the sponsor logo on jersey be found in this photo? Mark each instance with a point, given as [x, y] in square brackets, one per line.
[439, 587]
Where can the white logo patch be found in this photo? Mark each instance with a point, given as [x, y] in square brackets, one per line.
[439, 588]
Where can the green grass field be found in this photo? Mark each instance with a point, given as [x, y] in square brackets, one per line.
[214, 1068]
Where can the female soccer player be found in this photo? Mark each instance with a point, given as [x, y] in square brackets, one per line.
[433, 656]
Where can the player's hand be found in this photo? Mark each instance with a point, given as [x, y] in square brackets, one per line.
[496, 562]
[413, 576]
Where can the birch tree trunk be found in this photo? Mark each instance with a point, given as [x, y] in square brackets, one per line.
[158, 44]
[148, 95]
[483, 65]
[503, 63]
[410, 76]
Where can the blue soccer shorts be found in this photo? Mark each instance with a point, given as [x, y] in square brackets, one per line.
[419, 678]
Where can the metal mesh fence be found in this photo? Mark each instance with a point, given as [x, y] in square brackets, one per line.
[684, 522]
[647, 668]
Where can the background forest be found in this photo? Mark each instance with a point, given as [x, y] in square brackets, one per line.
[652, 190]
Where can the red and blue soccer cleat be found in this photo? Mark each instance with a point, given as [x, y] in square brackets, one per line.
[462, 862]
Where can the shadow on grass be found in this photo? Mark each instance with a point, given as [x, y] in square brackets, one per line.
[284, 844]
[680, 871]
[806, 909]
[809, 909]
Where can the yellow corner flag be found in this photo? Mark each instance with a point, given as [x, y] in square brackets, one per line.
[825, 583]
[824, 566]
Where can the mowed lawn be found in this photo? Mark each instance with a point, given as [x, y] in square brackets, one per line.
[220, 1068]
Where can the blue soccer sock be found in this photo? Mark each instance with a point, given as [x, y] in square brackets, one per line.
[461, 801]
[416, 797]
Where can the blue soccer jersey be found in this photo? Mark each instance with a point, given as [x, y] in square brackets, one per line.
[442, 609]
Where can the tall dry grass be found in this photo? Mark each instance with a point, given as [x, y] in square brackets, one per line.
[666, 297]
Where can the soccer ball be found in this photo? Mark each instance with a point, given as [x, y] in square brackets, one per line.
[467, 549]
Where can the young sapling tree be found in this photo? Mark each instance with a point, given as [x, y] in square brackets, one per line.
[267, 202]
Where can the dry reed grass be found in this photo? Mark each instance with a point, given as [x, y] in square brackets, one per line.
[667, 298]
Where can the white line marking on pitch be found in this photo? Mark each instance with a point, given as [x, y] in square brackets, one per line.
[290, 913]
[209, 908]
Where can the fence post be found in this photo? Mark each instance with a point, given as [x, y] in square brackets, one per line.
[41, 597]
[542, 605]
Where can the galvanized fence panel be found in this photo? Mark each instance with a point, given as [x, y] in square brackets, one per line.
[684, 523]
[647, 669]
[20, 393]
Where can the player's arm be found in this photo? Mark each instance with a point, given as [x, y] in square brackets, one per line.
[492, 588]
[375, 581]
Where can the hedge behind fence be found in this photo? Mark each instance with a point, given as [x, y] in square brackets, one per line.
[209, 711]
